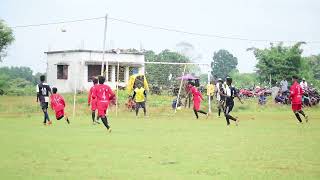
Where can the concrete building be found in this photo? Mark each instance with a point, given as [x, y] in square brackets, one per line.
[70, 69]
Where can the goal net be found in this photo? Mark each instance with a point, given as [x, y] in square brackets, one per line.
[167, 86]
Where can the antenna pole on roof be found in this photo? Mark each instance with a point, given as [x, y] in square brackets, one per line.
[104, 48]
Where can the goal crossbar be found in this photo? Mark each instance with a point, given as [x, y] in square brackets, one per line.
[173, 63]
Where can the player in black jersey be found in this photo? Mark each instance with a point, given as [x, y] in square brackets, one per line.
[43, 90]
[229, 93]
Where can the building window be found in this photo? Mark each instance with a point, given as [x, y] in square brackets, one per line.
[93, 71]
[62, 71]
[122, 71]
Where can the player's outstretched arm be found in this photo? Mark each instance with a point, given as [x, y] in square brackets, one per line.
[89, 97]
[38, 93]
[63, 101]
[50, 91]
[134, 95]
[145, 95]
[51, 102]
[222, 94]
[94, 93]
[237, 95]
[239, 99]
[201, 96]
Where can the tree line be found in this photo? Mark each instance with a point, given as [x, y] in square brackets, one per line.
[275, 63]
[18, 81]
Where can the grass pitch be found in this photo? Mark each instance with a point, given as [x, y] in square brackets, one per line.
[268, 144]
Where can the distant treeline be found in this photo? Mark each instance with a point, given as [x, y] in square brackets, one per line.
[18, 81]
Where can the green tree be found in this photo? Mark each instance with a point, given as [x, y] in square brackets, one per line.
[19, 72]
[158, 74]
[36, 78]
[20, 87]
[203, 79]
[17, 80]
[244, 80]
[278, 61]
[310, 70]
[4, 83]
[314, 64]
[6, 38]
[223, 63]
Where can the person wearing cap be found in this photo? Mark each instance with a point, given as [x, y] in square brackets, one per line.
[304, 84]
[220, 100]
[296, 93]
[229, 92]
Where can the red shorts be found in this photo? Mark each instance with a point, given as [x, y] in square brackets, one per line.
[102, 107]
[196, 105]
[93, 105]
[59, 114]
[296, 107]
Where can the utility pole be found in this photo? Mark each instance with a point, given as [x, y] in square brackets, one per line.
[104, 48]
[209, 97]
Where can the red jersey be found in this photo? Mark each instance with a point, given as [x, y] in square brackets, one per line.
[197, 96]
[90, 93]
[57, 102]
[296, 93]
[103, 93]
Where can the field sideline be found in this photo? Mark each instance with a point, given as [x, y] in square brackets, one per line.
[268, 144]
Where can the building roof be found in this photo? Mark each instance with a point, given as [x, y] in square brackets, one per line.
[122, 51]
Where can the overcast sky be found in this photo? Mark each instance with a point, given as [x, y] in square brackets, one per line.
[253, 19]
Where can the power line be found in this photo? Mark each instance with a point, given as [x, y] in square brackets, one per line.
[58, 22]
[165, 29]
[205, 35]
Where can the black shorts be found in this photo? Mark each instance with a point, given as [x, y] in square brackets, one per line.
[60, 117]
[229, 106]
[140, 105]
[44, 105]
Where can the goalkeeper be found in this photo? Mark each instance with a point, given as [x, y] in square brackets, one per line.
[140, 97]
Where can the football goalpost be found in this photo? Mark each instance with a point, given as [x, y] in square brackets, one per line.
[168, 80]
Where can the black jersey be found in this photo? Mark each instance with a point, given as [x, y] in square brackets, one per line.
[43, 90]
[230, 93]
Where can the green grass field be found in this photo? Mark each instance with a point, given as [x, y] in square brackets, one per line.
[268, 144]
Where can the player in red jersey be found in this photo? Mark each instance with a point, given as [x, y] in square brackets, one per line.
[104, 94]
[58, 104]
[93, 102]
[197, 98]
[296, 93]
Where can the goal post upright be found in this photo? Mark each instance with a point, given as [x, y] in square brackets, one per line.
[117, 89]
[209, 97]
[173, 63]
[185, 65]
[76, 79]
[181, 82]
